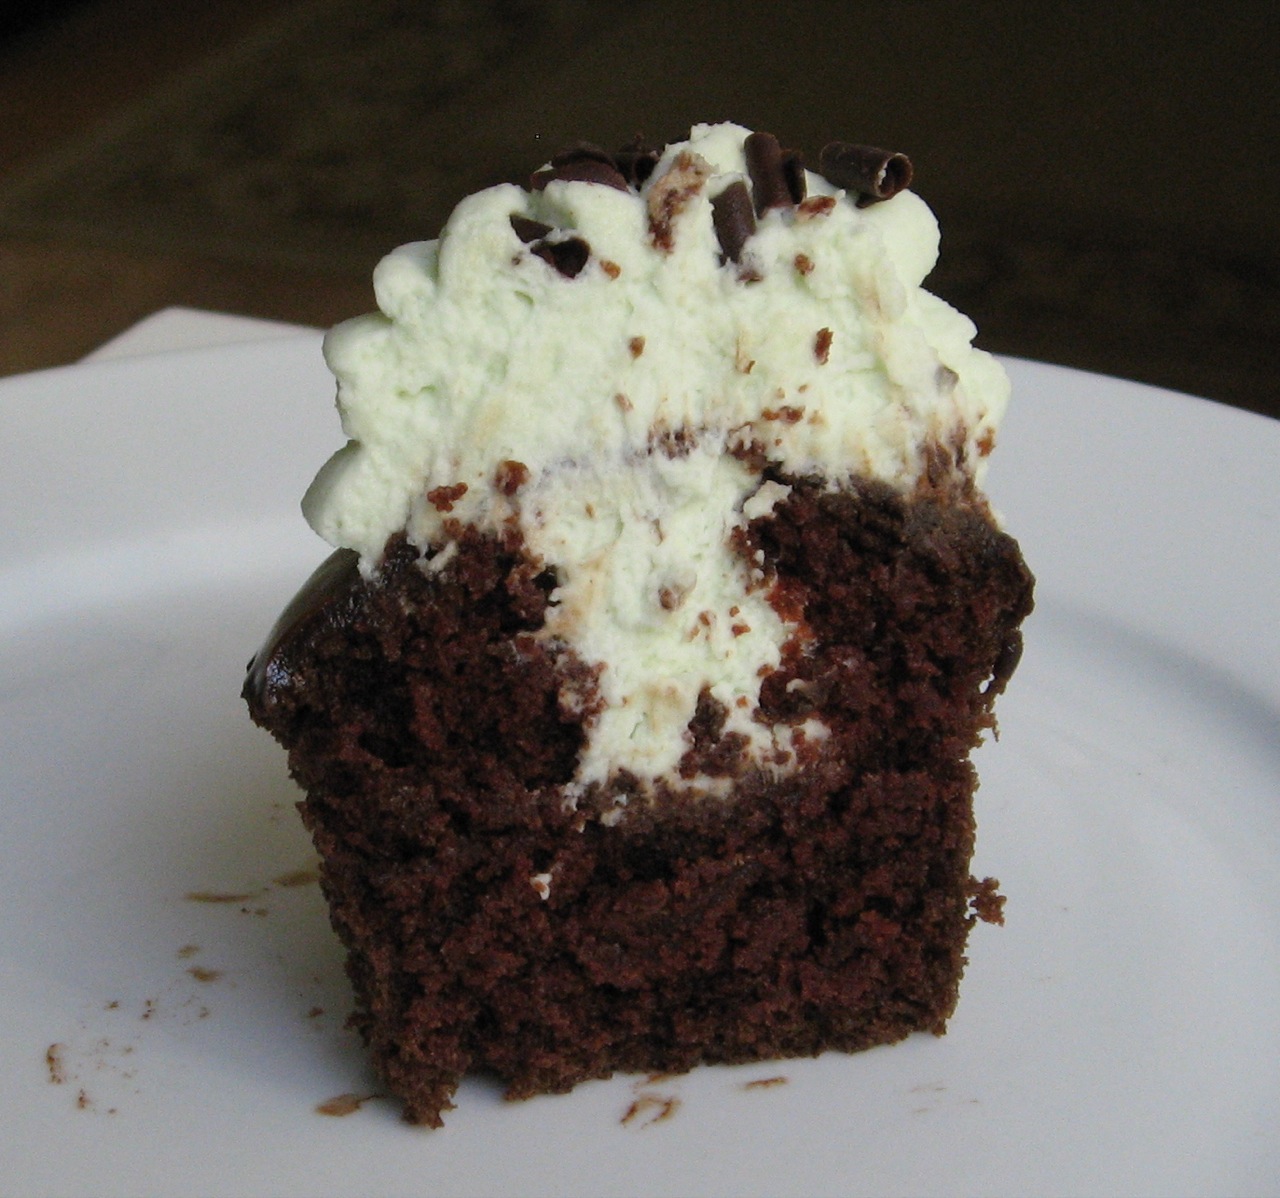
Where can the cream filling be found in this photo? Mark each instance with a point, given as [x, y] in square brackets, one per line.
[621, 391]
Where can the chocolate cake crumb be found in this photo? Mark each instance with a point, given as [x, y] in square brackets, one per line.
[822, 346]
[443, 498]
[510, 477]
[53, 1059]
[653, 1079]
[664, 1107]
[670, 195]
[672, 442]
[815, 206]
[343, 1104]
[297, 877]
[987, 901]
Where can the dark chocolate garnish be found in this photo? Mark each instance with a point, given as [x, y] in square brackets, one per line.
[873, 174]
[583, 163]
[734, 219]
[568, 257]
[528, 229]
[636, 161]
[777, 175]
[793, 171]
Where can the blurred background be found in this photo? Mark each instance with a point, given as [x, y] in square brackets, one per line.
[1107, 174]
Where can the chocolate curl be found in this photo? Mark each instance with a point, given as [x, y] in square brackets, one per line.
[733, 218]
[568, 257]
[793, 169]
[636, 161]
[872, 174]
[583, 163]
[777, 175]
[528, 229]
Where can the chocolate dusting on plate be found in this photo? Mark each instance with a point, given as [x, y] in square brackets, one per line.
[53, 1061]
[662, 1106]
[343, 1104]
[765, 1083]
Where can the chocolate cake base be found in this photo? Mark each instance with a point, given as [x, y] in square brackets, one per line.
[493, 926]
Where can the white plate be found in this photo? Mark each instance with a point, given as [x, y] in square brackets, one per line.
[1120, 1035]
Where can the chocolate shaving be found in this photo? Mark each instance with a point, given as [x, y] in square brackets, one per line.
[568, 257]
[583, 170]
[528, 229]
[793, 170]
[733, 218]
[583, 163]
[777, 175]
[873, 174]
[636, 161]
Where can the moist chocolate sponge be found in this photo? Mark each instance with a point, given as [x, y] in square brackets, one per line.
[494, 924]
